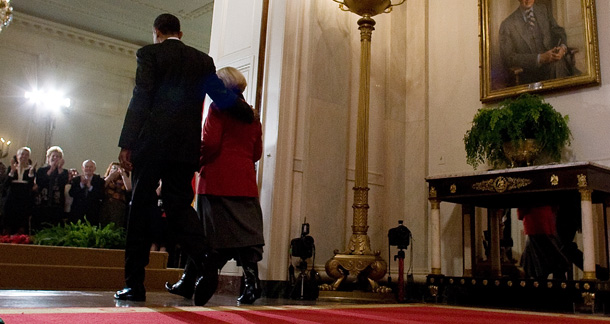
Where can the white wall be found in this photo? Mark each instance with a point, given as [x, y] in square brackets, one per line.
[94, 71]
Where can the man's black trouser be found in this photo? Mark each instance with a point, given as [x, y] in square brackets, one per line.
[177, 195]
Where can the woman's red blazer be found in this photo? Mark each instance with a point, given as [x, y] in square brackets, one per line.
[229, 150]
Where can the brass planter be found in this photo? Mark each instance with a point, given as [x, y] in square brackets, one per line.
[521, 152]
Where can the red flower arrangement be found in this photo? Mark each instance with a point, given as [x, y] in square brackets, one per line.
[15, 239]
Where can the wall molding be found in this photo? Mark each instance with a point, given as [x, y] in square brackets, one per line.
[67, 33]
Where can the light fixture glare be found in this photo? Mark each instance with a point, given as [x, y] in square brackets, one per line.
[50, 99]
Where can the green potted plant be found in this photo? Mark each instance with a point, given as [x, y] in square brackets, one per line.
[516, 123]
[82, 234]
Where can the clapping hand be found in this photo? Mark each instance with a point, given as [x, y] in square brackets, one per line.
[14, 166]
[85, 181]
[115, 173]
[57, 164]
[31, 169]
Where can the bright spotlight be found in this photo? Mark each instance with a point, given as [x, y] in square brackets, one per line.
[34, 96]
[48, 99]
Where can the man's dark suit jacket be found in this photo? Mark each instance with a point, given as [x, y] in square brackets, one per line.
[86, 202]
[518, 48]
[164, 117]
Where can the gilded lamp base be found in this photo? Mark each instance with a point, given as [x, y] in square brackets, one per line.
[357, 296]
[363, 267]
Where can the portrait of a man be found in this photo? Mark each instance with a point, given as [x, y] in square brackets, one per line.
[534, 45]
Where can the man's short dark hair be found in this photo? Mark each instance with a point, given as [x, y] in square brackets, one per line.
[167, 24]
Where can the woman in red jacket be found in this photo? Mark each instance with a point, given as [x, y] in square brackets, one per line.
[227, 192]
[542, 254]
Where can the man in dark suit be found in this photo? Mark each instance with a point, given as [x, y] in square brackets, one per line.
[531, 39]
[161, 140]
[87, 191]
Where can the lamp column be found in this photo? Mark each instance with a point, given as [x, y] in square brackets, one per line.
[48, 134]
[359, 242]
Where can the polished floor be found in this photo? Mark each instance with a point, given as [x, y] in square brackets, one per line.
[36, 301]
[29, 300]
[51, 298]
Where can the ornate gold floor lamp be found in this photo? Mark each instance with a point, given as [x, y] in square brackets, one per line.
[358, 259]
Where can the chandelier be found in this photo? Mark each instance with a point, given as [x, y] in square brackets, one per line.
[4, 144]
[6, 13]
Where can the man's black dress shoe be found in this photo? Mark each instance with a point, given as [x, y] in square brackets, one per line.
[130, 294]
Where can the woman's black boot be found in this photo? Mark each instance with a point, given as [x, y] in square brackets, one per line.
[184, 287]
[251, 289]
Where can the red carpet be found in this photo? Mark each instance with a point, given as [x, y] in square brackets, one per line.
[348, 314]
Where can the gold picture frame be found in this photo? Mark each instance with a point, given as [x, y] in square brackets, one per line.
[502, 50]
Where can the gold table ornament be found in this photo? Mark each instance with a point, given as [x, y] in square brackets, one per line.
[501, 184]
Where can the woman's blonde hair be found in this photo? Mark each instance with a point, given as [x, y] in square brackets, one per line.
[25, 148]
[232, 79]
[53, 149]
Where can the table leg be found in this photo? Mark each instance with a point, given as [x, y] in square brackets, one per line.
[586, 207]
[435, 223]
[495, 217]
[467, 238]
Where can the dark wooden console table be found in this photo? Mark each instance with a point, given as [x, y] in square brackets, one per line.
[512, 188]
[518, 187]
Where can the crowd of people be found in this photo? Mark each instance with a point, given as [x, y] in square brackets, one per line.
[32, 198]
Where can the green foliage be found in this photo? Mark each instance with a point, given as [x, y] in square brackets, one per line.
[526, 116]
[82, 234]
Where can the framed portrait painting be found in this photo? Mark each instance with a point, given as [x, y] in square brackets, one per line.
[537, 46]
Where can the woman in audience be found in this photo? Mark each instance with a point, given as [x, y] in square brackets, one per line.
[19, 193]
[3, 176]
[51, 180]
[158, 224]
[117, 189]
[72, 173]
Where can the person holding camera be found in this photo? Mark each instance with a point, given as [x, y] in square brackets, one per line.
[227, 199]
